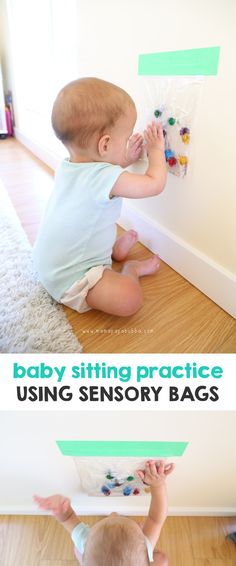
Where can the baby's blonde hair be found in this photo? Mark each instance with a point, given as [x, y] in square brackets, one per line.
[116, 542]
[85, 107]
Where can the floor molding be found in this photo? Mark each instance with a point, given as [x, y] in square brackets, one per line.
[47, 156]
[139, 510]
[208, 276]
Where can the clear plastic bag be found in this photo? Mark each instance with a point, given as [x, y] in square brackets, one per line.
[110, 476]
[172, 102]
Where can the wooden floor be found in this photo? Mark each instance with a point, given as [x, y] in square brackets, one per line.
[175, 318]
[187, 541]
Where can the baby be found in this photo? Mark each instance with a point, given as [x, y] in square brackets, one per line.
[117, 540]
[94, 119]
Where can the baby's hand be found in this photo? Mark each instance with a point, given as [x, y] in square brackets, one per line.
[134, 148]
[154, 137]
[155, 472]
[57, 504]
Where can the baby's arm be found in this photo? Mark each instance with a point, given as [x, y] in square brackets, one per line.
[154, 475]
[153, 181]
[61, 509]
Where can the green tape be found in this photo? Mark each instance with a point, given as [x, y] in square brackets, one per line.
[121, 449]
[203, 61]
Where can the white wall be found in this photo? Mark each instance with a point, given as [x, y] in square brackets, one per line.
[203, 483]
[201, 209]
[3, 40]
[5, 56]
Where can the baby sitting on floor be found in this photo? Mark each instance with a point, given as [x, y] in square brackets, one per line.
[118, 540]
[76, 243]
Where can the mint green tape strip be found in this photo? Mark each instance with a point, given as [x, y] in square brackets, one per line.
[203, 61]
[119, 448]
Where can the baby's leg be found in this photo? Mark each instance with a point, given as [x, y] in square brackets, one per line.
[78, 555]
[123, 244]
[120, 293]
[160, 559]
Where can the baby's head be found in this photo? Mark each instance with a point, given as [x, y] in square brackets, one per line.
[94, 120]
[116, 541]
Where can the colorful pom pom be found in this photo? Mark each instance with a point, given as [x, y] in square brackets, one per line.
[105, 490]
[183, 160]
[169, 153]
[127, 490]
[172, 161]
[184, 131]
[110, 477]
[186, 138]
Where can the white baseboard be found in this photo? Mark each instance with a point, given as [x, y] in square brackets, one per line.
[46, 155]
[208, 276]
[139, 510]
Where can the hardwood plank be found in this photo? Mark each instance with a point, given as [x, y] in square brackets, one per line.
[41, 541]
[208, 539]
[213, 562]
[21, 541]
[57, 545]
[175, 541]
[58, 563]
[228, 346]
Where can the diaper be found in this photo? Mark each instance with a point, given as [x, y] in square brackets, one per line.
[75, 296]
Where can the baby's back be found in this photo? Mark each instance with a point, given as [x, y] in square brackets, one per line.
[78, 229]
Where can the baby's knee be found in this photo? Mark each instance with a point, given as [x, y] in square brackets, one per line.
[160, 559]
[164, 560]
[131, 299]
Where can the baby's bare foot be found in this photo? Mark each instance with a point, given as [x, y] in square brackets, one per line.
[146, 267]
[123, 244]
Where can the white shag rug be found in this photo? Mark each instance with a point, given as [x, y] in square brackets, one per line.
[30, 320]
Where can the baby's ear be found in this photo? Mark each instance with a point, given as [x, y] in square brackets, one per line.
[104, 145]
